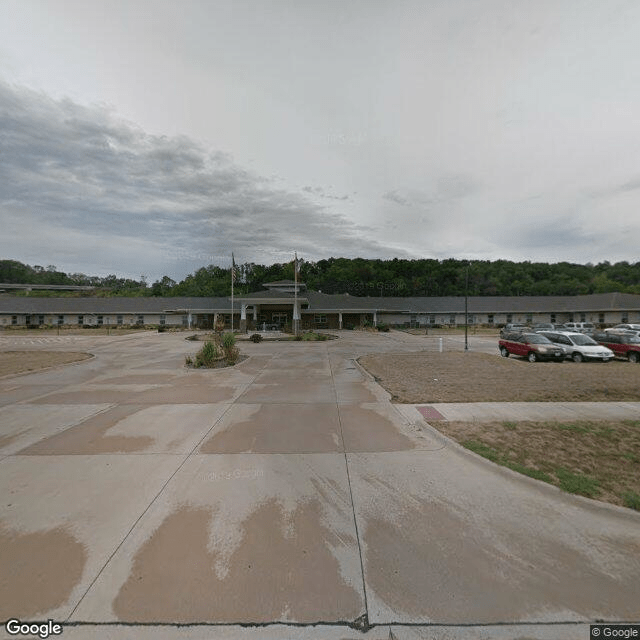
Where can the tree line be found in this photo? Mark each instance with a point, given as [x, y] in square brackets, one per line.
[362, 277]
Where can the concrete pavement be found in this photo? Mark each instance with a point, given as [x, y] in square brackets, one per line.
[287, 489]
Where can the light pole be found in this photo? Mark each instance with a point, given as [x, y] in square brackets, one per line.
[466, 308]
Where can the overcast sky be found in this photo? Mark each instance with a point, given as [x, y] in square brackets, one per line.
[141, 137]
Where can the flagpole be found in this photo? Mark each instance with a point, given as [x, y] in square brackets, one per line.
[295, 308]
[233, 277]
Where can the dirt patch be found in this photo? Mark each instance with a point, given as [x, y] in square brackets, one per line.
[39, 571]
[12, 362]
[282, 570]
[598, 459]
[428, 377]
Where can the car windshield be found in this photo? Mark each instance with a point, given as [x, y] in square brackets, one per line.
[630, 339]
[582, 340]
[536, 339]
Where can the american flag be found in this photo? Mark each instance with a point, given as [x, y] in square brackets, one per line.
[233, 268]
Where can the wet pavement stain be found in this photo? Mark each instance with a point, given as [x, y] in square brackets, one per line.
[367, 431]
[90, 437]
[38, 571]
[282, 428]
[283, 569]
[184, 393]
[431, 564]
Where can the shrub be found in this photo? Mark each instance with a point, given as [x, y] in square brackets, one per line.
[383, 327]
[161, 329]
[298, 337]
[228, 340]
[207, 356]
[322, 336]
[256, 337]
[231, 354]
[188, 361]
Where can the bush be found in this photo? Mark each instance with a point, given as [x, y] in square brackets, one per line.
[322, 336]
[161, 329]
[298, 337]
[228, 340]
[256, 337]
[207, 356]
[632, 500]
[383, 327]
[188, 361]
[231, 355]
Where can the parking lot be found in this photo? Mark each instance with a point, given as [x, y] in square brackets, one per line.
[288, 490]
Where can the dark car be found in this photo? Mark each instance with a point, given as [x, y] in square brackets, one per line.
[532, 346]
[624, 345]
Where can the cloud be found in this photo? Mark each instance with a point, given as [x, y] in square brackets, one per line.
[73, 177]
[394, 196]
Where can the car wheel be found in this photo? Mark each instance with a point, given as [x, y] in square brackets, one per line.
[533, 357]
[503, 352]
[633, 356]
[577, 357]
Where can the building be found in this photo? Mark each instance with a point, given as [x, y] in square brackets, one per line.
[278, 304]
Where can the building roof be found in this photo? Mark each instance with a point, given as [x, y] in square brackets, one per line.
[323, 302]
[117, 305]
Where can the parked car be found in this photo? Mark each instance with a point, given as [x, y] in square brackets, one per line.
[543, 326]
[578, 346]
[623, 330]
[623, 345]
[580, 327]
[533, 346]
[626, 325]
[513, 327]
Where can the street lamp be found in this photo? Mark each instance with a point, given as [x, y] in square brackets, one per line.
[466, 308]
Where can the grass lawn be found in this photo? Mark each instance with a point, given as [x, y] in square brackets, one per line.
[595, 459]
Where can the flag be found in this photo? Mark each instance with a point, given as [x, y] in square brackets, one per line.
[295, 267]
[233, 268]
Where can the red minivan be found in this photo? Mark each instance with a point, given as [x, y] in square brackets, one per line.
[532, 346]
[624, 345]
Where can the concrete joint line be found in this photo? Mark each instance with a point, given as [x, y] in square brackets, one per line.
[362, 622]
[155, 498]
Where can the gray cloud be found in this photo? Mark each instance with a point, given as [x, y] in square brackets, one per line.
[72, 176]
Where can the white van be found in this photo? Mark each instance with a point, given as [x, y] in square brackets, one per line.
[580, 327]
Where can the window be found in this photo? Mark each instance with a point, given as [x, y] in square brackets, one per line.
[571, 317]
[40, 320]
[119, 319]
[552, 318]
[432, 318]
[60, 320]
[185, 321]
[490, 318]
[140, 319]
[529, 318]
[583, 317]
[100, 321]
[509, 318]
[80, 320]
[27, 320]
[625, 318]
[601, 318]
[14, 319]
[471, 319]
[163, 319]
[320, 318]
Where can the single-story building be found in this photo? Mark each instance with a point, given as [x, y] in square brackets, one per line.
[280, 304]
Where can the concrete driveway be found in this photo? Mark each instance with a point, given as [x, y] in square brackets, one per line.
[284, 490]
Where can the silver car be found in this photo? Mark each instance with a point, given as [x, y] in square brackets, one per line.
[579, 347]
